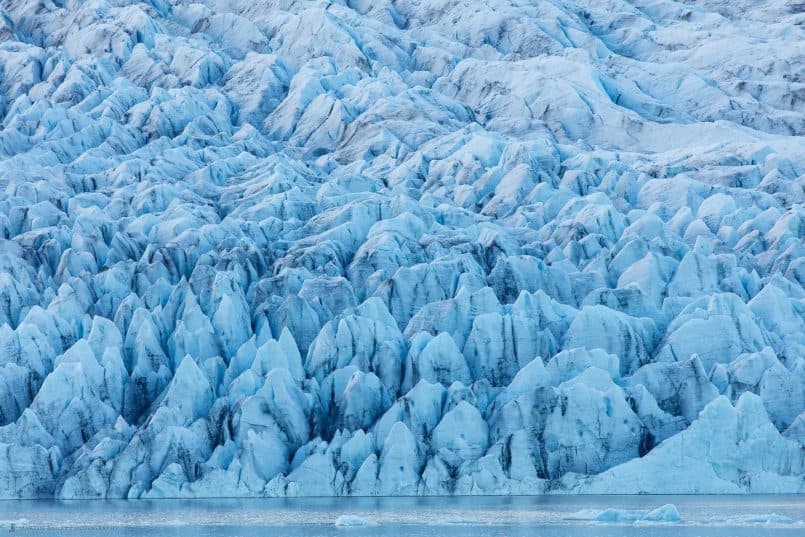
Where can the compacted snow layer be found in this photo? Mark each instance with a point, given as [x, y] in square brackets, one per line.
[278, 248]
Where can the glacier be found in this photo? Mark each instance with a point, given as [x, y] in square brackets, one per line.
[401, 247]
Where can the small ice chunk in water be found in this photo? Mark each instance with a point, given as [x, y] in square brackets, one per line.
[584, 514]
[756, 519]
[13, 523]
[347, 521]
[767, 518]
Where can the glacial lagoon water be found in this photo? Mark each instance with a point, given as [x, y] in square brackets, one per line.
[550, 516]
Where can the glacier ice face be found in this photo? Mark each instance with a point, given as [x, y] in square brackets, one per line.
[257, 248]
[727, 450]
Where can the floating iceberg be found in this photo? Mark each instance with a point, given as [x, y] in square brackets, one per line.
[772, 520]
[665, 513]
[348, 521]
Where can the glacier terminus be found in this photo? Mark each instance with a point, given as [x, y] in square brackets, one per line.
[256, 248]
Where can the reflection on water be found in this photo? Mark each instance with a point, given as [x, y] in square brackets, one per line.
[409, 517]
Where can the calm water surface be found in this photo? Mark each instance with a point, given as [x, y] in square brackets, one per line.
[404, 517]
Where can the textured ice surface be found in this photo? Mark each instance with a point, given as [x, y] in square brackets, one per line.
[261, 248]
